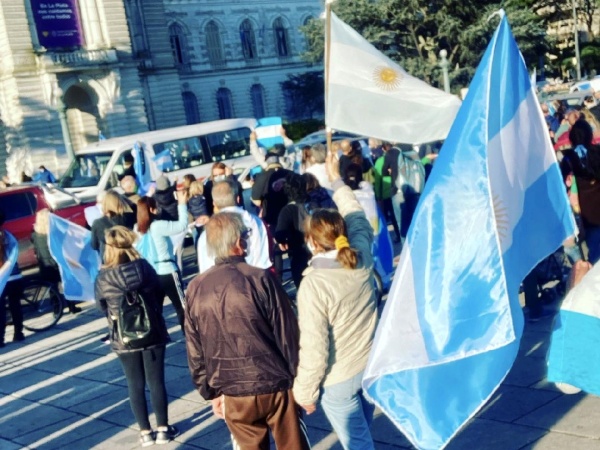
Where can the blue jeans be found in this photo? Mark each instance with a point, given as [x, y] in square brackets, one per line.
[349, 413]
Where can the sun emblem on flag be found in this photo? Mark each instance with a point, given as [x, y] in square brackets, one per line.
[387, 78]
[501, 214]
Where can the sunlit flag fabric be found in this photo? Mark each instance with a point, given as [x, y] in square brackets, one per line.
[12, 254]
[163, 161]
[574, 356]
[78, 263]
[494, 206]
[268, 132]
[142, 170]
[371, 95]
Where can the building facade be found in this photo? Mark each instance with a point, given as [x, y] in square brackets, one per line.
[116, 67]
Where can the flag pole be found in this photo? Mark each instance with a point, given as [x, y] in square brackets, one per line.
[327, 59]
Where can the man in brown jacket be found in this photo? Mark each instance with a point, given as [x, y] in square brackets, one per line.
[242, 342]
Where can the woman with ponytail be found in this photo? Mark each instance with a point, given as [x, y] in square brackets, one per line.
[337, 315]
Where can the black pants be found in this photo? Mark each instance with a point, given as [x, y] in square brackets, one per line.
[298, 263]
[388, 213]
[12, 291]
[172, 288]
[531, 292]
[141, 367]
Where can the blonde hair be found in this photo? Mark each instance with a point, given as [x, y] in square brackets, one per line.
[327, 228]
[114, 204]
[119, 246]
[42, 221]
[196, 188]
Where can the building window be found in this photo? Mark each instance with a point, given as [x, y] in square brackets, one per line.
[178, 45]
[224, 103]
[190, 103]
[257, 93]
[281, 38]
[213, 44]
[308, 20]
[248, 40]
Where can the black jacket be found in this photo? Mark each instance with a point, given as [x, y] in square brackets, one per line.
[111, 286]
[241, 332]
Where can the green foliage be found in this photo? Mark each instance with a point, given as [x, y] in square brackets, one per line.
[297, 130]
[412, 32]
[305, 95]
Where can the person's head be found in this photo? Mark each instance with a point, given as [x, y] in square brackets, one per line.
[223, 195]
[162, 183]
[295, 188]
[277, 149]
[226, 235]
[346, 147]
[146, 213]
[386, 146]
[114, 204]
[572, 115]
[545, 108]
[42, 221]
[581, 134]
[318, 154]
[310, 182]
[195, 188]
[119, 246]
[306, 154]
[127, 160]
[129, 185]
[218, 172]
[42, 168]
[188, 180]
[326, 231]
[374, 143]
[353, 176]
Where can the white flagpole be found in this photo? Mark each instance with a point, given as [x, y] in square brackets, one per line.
[327, 58]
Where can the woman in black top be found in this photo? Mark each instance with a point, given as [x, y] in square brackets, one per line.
[116, 212]
[125, 272]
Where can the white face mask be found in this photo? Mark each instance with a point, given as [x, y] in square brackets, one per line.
[218, 178]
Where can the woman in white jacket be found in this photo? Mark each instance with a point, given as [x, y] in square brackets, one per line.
[337, 316]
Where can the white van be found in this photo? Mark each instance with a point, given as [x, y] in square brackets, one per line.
[193, 149]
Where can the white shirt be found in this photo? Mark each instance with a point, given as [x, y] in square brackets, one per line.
[258, 243]
[319, 171]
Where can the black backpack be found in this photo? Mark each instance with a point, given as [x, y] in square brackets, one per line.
[139, 324]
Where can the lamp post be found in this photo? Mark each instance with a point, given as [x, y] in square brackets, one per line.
[576, 37]
[444, 65]
[64, 125]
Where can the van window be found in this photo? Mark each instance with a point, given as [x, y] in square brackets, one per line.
[185, 153]
[85, 170]
[18, 205]
[229, 144]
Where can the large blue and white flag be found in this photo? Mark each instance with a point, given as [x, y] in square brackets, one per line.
[574, 356]
[12, 254]
[268, 132]
[77, 261]
[164, 161]
[494, 206]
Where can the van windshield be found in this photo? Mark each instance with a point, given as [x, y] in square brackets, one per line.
[85, 170]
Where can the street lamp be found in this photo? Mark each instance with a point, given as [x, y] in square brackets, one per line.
[576, 37]
[444, 65]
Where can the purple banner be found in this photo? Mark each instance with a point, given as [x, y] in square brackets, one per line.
[57, 23]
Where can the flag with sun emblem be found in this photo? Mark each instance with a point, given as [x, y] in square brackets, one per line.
[493, 207]
[371, 95]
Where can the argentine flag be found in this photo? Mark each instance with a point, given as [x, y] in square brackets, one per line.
[268, 132]
[142, 170]
[77, 261]
[493, 207]
[163, 161]
[574, 356]
[12, 254]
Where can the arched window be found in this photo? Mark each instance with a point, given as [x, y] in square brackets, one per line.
[224, 103]
[178, 45]
[257, 92]
[281, 38]
[308, 20]
[248, 40]
[190, 104]
[213, 44]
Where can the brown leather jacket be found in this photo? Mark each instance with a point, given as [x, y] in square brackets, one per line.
[241, 331]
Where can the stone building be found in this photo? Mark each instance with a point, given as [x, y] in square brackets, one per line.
[72, 69]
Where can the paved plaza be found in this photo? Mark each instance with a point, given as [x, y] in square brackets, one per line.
[64, 389]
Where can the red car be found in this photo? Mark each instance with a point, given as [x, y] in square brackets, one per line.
[20, 205]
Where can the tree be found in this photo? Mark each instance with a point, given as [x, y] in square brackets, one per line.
[412, 32]
[304, 95]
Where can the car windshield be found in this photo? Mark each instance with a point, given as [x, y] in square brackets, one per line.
[85, 170]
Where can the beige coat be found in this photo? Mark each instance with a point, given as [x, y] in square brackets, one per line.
[337, 309]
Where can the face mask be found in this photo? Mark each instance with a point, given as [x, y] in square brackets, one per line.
[220, 178]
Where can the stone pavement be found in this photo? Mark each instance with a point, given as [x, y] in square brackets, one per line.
[64, 389]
